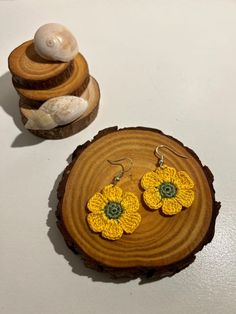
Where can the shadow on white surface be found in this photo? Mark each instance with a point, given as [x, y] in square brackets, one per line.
[74, 260]
[9, 102]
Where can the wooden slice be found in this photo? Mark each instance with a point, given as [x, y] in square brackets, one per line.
[74, 85]
[31, 71]
[91, 94]
[161, 245]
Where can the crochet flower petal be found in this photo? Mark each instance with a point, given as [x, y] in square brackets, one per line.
[183, 180]
[150, 180]
[112, 230]
[152, 198]
[97, 202]
[97, 222]
[185, 197]
[171, 206]
[112, 193]
[166, 174]
[130, 221]
[130, 202]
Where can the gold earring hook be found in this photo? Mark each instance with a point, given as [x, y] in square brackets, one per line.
[120, 174]
[161, 157]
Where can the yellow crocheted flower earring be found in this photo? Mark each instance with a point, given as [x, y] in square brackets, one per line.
[167, 188]
[113, 212]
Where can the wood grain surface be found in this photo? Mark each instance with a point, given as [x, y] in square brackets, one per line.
[31, 71]
[76, 80]
[159, 242]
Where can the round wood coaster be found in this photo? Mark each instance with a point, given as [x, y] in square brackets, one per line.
[161, 245]
[91, 94]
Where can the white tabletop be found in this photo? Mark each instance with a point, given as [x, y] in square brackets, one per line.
[167, 64]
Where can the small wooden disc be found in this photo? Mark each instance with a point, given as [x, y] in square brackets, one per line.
[161, 245]
[91, 94]
[29, 70]
[77, 80]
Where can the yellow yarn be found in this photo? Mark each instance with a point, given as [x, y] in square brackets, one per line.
[113, 212]
[167, 188]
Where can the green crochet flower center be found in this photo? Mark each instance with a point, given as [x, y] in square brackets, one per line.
[167, 190]
[113, 210]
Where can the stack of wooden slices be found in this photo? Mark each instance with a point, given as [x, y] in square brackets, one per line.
[58, 97]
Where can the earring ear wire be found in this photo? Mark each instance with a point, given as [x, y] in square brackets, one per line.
[120, 174]
[161, 156]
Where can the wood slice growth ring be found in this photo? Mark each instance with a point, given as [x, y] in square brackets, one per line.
[161, 245]
[29, 70]
[78, 77]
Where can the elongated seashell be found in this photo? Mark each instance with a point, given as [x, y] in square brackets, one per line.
[55, 42]
[56, 111]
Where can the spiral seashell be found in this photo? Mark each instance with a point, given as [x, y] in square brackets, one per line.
[55, 42]
[56, 111]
